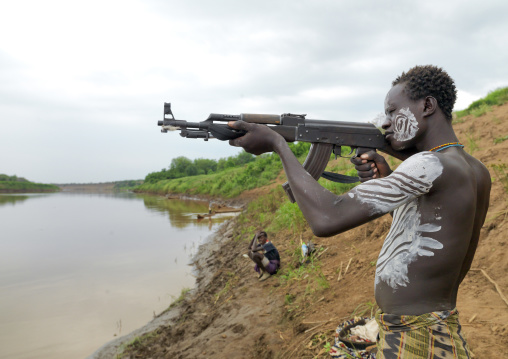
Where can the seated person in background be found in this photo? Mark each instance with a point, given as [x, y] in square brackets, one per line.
[265, 255]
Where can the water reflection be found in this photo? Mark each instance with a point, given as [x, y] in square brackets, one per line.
[8, 199]
[183, 213]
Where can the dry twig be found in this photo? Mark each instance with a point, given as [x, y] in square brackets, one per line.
[340, 273]
[345, 272]
[493, 282]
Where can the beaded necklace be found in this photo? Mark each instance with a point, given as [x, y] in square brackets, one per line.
[446, 145]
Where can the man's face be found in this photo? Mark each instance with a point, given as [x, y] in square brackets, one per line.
[401, 125]
[262, 239]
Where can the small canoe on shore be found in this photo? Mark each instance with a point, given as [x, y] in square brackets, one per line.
[168, 196]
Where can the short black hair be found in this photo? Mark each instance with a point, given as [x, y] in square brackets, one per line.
[262, 233]
[429, 80]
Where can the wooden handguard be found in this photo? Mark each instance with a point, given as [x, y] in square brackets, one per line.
[315, 164]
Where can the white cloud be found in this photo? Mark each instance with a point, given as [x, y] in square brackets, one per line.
[464, 99]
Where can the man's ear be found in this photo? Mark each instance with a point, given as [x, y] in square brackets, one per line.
[429, 106]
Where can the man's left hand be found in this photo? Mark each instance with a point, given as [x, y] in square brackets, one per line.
[258, 139]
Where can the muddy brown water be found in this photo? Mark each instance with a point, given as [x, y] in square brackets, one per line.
[77, 270]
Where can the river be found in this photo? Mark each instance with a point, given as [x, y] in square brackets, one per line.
[78, 270]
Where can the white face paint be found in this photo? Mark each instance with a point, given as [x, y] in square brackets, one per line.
[405, 125]
[399, 192]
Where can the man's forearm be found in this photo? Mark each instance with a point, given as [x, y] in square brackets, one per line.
[251, 245]
[326, 213]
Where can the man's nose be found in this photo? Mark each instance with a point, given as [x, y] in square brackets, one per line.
[386, 124]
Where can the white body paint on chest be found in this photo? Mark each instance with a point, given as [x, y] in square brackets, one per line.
[399, 192]
[405, 125]
[404, 244]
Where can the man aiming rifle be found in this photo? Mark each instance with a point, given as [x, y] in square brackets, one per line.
[438, 198]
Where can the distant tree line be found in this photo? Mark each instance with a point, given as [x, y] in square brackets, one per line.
[126, 185]
[12, 178]
[15, 184]
[184, 167]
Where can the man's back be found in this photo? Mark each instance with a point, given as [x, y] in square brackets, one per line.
[433, 237]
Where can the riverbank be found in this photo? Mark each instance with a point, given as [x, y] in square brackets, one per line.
[204, 269]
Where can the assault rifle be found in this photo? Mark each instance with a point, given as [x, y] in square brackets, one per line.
[326, 137]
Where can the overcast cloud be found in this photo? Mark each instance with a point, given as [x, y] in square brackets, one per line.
[82, 83]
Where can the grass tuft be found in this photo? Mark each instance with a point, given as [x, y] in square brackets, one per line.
[481, 106]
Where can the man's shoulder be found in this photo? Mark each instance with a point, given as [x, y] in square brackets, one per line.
[423, 165]
[419, 157]
[451, 169]
[268, 246]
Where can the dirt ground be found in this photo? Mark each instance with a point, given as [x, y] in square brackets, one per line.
[232, 315]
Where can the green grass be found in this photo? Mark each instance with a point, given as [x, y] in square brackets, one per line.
[309, 272]
[288, 216]
[500, 139]
[139, 342]
[180, 298]
[471, 145]
[482, 106]
[501, 174]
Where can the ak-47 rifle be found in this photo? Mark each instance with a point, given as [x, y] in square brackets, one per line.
[327, 137]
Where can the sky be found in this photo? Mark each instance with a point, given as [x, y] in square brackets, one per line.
[83, 83]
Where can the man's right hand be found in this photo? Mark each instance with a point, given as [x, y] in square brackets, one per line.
[371, 165]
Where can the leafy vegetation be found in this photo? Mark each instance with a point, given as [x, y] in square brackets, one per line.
[184, 167]
[238, 174]
[481, 106]
[11, 184]
[14, 178]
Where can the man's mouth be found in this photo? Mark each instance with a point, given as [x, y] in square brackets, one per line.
[388, 135]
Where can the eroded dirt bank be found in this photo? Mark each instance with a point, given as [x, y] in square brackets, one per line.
[294, 314]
